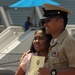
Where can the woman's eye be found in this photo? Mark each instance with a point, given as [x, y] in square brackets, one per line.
[40, 38]
[35, 38]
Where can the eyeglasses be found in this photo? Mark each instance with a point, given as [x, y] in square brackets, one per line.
[45, 20]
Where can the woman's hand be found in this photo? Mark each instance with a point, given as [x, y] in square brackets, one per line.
[25, 54]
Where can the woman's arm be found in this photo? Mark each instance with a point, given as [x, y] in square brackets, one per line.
[20, 71]
[24, 61]
[25, 54]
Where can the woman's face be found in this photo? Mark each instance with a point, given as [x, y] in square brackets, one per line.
[40, 41]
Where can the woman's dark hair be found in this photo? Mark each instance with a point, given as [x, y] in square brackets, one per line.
[49, 37]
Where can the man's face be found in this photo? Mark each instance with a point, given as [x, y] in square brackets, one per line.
[52, 25]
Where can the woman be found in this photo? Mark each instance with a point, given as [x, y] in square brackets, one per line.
[39, 47]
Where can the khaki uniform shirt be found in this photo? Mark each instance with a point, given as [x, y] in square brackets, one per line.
[62, 52]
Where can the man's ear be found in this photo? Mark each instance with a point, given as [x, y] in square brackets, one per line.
[61, 21]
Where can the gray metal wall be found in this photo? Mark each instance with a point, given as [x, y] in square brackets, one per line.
[70, 4]
[19, 16]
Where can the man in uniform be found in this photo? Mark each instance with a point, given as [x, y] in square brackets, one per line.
[62, 47]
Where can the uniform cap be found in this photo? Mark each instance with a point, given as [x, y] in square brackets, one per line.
[49, 9]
